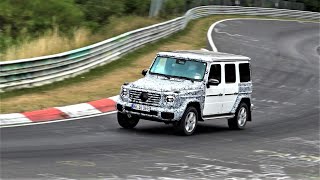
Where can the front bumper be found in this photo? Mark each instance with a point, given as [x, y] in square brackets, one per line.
[162, 114]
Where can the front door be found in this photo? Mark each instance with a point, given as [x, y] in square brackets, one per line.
[214, 93]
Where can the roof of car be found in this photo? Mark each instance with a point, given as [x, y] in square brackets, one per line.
[207, 56]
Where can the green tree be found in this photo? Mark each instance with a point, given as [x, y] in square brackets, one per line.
[173, 7]
[312, 5]
[137, 7]
[21, 19]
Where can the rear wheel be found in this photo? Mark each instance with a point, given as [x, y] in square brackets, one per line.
[188, 122]
[127, 122]
[241, 117]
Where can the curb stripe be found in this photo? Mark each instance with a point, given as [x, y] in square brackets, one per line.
[57, 114]
[14, 118]
[78, 110]
[103, 105]
[45, 115]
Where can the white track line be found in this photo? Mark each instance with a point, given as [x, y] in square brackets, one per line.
[209, 33]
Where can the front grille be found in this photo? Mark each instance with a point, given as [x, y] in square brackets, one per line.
[152, 99]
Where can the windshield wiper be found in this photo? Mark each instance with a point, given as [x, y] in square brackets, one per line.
[165, 75]
[182, 77]
[169, 76]
[192, 80]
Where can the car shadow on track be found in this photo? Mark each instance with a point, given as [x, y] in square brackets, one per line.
[202, 128]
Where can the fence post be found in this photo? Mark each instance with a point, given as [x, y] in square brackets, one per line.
[155, 7]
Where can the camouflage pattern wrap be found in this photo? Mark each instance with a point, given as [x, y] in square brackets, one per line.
[245, 90]
[184, 91]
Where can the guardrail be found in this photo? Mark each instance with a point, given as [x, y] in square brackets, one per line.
[46, 69]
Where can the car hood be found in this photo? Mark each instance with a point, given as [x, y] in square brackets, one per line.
[160, 83]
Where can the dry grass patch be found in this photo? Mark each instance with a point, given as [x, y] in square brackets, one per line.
[55, 42]
[107, 82]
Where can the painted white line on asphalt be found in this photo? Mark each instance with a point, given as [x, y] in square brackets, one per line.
[209, 33]
[61, 120]
[209, 36]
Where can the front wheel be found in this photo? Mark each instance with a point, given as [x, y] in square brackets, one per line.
[241, 118]
[127, 122]
[188, 122]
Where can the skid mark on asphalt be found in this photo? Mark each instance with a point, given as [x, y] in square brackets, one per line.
[213, 160]
[274, 104]
[260, 164]
[301, 141]
[210, 170]
[78, 163]
[218, 30]
[286, 159]
[53, 177]
[221, 32]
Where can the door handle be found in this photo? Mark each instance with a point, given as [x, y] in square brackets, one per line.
[220, 94]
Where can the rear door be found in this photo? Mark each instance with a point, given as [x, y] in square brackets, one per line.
[230, 93]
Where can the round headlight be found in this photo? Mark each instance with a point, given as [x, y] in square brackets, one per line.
[124, 92]
[170, 98]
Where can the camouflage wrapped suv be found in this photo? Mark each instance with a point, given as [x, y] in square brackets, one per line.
[185, 87]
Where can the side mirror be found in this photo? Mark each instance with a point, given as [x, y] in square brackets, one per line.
[144, 72]
[213, 82]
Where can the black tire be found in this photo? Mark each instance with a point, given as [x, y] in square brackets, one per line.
[241, 117]
[126, 122]
[188, 126]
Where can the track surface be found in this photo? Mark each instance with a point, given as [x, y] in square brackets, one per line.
[282, 142]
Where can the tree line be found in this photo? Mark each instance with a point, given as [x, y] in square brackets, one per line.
[27, 19]
[22, 19]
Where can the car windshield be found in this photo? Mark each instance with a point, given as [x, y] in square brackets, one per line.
[180, 68]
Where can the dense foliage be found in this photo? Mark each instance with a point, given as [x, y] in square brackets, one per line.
[311, 5]
[23, 19]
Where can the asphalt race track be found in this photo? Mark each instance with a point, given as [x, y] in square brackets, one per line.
[282, 141]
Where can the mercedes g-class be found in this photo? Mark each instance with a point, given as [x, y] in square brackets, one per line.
[184, 87]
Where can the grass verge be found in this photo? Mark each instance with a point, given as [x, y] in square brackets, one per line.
[106, 80]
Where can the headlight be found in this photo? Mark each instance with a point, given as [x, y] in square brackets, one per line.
[170, 98]
[124, 92]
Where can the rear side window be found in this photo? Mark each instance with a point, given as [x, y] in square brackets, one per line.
[244, 69]
[230, 73]
[215, 72]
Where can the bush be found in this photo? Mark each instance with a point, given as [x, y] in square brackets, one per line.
[173, 7]
[21, 19]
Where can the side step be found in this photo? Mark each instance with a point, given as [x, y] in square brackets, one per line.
[220, 116]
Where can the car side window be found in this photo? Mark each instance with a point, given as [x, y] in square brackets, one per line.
[244, 69]
[230, 73]
[215, 72]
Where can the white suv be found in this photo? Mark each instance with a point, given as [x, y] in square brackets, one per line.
[184, 87]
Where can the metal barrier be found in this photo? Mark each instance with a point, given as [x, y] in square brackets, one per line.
[46, 69]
